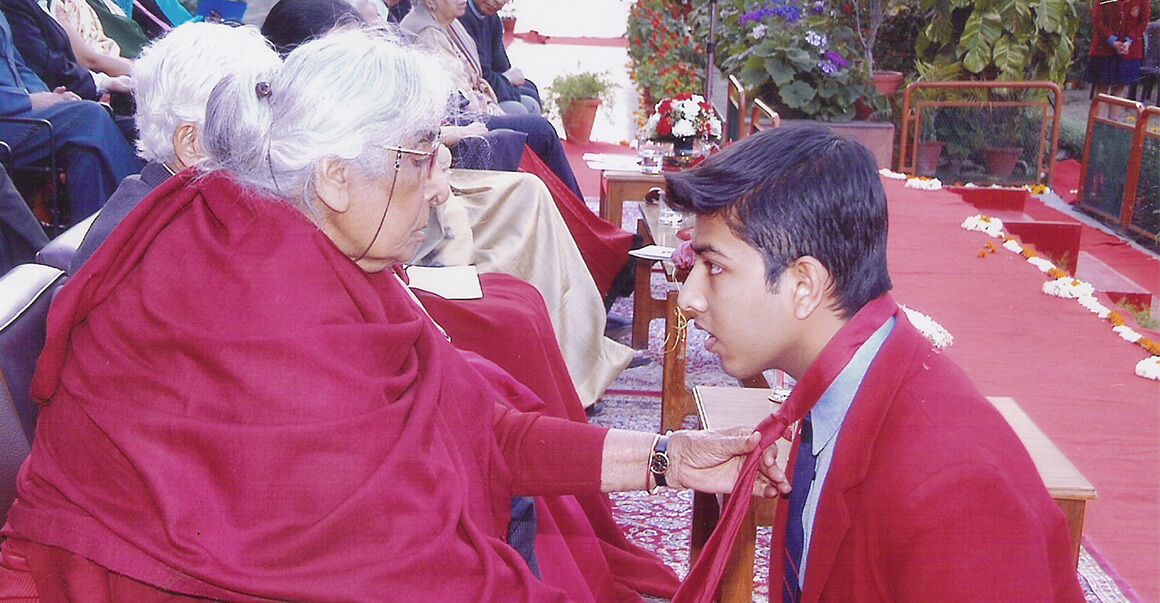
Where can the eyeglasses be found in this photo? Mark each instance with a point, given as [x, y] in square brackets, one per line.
[432, 155]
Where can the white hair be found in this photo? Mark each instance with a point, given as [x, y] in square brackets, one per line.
[345, 95]
[174, 75]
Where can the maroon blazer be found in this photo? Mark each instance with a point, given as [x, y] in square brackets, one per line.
[931, 496]
[1123, 19]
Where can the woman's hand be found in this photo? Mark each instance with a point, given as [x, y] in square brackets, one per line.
[710, 461]
[451, 135]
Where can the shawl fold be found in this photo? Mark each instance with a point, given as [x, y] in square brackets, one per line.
[235, 410]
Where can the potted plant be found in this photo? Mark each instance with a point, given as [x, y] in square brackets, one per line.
[507, 16]
[868, 17]
[795, 56]
[575, 98]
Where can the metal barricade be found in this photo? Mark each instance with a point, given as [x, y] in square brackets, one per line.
[1141, 213]
[984, 132]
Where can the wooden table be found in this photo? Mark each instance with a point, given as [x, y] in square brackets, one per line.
[722, 407]
[616, 187]
[676, 400]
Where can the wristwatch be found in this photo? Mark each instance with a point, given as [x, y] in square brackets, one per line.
[658, 462]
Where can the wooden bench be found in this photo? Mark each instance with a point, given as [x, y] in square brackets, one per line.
[722, 407]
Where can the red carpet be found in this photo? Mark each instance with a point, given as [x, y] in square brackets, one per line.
[1065, 180]
[1111, 250]
[1063, 365]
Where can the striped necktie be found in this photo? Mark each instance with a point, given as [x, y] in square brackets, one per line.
[803, 477]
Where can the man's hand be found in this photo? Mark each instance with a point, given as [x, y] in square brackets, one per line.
[710, 461]
[515, 76]
[40, 100]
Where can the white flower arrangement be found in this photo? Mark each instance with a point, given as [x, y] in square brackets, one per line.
[938, 336]
[1068, 288]
[888, 173]
[682, 117]
[924, 184]
[1094, 306]
[1149, 368]
[992, 227]
[1127, 333]
[758, 32]
[1013, 246]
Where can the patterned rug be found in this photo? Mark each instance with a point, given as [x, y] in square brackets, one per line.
[660, 522]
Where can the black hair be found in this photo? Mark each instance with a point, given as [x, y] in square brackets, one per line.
[291, 23]
[799, 191]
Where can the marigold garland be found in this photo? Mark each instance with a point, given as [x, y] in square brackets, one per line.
[1065, 286]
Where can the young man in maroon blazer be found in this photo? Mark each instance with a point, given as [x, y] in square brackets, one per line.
[907, 484]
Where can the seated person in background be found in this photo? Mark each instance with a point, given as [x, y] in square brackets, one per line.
[908, 484]
[92, 150]
[21, 235]
[315, 436]
[117, 25]
[94, 49]
[434, 23]
[48, 48]
[503, 223]
[508, 83]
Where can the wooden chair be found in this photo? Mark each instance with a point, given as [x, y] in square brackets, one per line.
[762, 117]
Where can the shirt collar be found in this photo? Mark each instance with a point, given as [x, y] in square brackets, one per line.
[828, 414]
[474, 9]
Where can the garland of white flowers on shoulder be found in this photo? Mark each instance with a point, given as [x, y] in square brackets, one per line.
[1065, 286]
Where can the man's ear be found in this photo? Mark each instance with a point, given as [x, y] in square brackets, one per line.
[332, 184]
[187, 146]
[810, 282]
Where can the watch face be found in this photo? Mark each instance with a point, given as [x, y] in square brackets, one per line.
[659, 462]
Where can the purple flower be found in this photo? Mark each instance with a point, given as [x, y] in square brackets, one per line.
[835, 59]
[819, 7]
[787, 10]
[827, 67]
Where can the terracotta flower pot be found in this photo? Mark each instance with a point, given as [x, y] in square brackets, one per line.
[887, 82]
[509, 29]
[578, 119]
[1001, 161]
[927, 156]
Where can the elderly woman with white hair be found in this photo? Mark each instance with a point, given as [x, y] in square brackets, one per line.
[174, 78]
[243, 401]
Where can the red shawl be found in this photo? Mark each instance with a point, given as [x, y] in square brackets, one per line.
[580, 548]
[236, 410]
[603, 244]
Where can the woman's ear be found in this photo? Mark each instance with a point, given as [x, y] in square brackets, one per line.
[810, 281]
[187, 146]
[332, 184]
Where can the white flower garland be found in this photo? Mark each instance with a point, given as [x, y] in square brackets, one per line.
[938, 336]
[992, 227]
[887, 173]
[1068, 288]
[1094, 306]
[1149, 368]
[924, 184]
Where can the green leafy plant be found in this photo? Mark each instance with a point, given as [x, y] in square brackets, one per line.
[665, 58]
[1005, 40]
[571, 87]
[796, 55]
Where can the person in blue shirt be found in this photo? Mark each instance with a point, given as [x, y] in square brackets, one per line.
[508, 82]
[91, 149]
